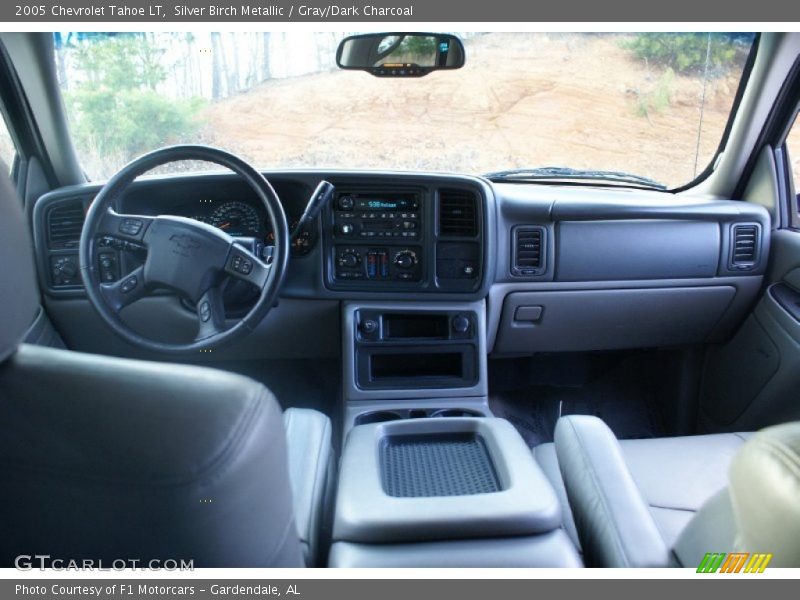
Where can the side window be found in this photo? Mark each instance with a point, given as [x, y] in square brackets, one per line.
[793, 155]
[8, 150]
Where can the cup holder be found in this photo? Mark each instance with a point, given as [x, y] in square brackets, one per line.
[384, 416]
[378, 416]
[456, 412]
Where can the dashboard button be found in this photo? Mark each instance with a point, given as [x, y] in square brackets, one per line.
[369, 326]
[461, 324]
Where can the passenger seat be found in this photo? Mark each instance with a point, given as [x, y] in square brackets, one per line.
[666, 501]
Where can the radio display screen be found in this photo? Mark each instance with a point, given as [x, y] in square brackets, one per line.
[386, 204]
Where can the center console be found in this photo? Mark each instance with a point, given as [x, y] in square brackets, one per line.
[399, 348]
[458, 492]
[413, 359]
[428, 477]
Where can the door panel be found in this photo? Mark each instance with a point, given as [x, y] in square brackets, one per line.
[754, 380]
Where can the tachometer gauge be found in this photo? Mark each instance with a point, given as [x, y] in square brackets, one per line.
[237, 219]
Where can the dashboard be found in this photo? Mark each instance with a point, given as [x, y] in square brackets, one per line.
[381, 237]
[559, 268]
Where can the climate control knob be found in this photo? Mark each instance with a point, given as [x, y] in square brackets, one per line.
[349, 259]
[405, 259]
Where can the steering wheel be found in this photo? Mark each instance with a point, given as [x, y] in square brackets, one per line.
[187, 257]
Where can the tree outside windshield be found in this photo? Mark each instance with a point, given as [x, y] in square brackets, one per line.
[654, 104]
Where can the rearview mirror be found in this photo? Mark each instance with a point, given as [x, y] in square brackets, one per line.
[400, 54]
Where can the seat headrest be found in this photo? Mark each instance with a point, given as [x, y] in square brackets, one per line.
[19, 294]
[765, 491]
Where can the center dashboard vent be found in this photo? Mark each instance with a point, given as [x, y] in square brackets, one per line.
[744, 246]
[64, 224]
[528, 251]
[458, 214]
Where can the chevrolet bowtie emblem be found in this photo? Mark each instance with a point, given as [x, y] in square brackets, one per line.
[183, 243]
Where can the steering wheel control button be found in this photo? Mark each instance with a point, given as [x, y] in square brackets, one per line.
[129, 284]
[205, 311]
[242, 264]
[131, 227]
[107, 261]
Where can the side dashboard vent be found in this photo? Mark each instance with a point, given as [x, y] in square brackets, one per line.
[64, 224]
[458, 214]
[528, 253]
[744, 246]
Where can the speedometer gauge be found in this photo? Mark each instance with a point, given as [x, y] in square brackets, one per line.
[237, 219]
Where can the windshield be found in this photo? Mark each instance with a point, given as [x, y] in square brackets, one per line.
[653, 104]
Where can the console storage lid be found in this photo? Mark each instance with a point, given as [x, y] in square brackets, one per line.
[438, 479]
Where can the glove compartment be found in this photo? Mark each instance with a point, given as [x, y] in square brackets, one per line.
[583, 320]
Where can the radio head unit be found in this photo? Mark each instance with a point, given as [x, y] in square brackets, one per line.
[369, 215]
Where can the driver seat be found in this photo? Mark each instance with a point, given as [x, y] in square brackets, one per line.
[105, 458]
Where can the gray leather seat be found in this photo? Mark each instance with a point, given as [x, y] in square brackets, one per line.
[311, 474]
[675, 476]
[660, 502]
[107, 458]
